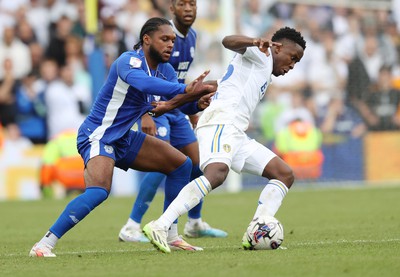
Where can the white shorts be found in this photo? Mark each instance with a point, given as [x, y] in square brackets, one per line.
[231, 146]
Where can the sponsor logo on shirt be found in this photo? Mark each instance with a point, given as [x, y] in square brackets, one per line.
[263, 89]
[135, 62]
[175, 54]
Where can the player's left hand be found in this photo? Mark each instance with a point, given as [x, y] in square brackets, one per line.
[205, 101]
[263, 44]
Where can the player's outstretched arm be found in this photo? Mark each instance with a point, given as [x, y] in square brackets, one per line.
[193, 91]
[239, 43]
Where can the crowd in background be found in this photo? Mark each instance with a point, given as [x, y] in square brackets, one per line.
[347, 83]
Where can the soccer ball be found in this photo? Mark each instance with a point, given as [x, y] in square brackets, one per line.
[263, 233]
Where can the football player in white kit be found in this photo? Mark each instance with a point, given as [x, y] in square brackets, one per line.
[223, 143]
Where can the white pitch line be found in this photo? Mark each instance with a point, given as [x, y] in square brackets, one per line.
[133, 250]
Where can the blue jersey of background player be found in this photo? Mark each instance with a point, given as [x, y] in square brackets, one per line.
[174, 128]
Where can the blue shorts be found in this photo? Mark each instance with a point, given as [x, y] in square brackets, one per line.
[175, 128]
[122, 151]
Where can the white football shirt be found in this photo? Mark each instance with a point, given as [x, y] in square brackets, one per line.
[240, 90]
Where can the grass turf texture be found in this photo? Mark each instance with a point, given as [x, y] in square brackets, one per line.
[328, 232]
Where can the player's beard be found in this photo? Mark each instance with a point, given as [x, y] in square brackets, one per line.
[156, 56]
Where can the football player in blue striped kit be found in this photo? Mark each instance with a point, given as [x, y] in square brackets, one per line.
[105, 138]
[173, 127]
[223, 143]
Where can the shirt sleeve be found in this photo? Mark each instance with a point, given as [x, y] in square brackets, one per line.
[140, 80]
[190, 108]
[255, 55]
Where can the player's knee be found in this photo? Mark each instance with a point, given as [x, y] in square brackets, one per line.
[183, 169]
[216, 174]
[286, 176]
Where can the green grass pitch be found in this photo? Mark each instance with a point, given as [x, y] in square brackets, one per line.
[328, 232]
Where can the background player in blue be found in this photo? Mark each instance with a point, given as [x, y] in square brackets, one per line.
[105, 138]
[173, 127]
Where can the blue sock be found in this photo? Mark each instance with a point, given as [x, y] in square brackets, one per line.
[148, 188]
[195, 212]
[175, 181]
[77, 209]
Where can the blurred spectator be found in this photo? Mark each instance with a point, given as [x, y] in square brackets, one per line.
[25, 32]
[79, 27]
[76, 59]
[8, 109]
[343, 130]
[340, 122]
[31, 109]
[104, 51]
[130, 19]
[11, 47]
[297, 111]
[382, 104]
[255, 20]
[48, 73]
[67, 103]
[327, 76]
[63, 164]
[38, 16]
[371, 57]
[56, 48]
[37, 56]
[299, 144]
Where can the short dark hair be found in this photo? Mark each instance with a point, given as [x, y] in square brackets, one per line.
[290, 34]
[149, 27]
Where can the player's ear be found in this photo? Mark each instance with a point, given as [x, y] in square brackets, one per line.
[146, 39]
[277, 48]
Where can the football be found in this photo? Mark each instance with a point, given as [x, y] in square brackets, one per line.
[263, 233]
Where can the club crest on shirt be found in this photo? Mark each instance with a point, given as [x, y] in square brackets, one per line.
[162, 131]
[109, 149]
[135, 62]
[227, 148]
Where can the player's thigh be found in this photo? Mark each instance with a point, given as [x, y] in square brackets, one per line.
[158, 155]
[218, 144]
[254, 156]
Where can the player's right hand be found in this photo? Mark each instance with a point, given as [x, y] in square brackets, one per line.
[198, 88]
[263, 44]
[148, 125]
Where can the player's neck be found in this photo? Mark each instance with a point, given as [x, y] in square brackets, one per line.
[151, 63]
[184, 30]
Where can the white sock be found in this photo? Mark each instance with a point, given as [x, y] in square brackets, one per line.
[132, 224]
[49, 239]
[173, 232]
[271, 198]
[187, 198]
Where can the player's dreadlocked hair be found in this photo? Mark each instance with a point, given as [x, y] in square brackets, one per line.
[291, 34]
[149, 27]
